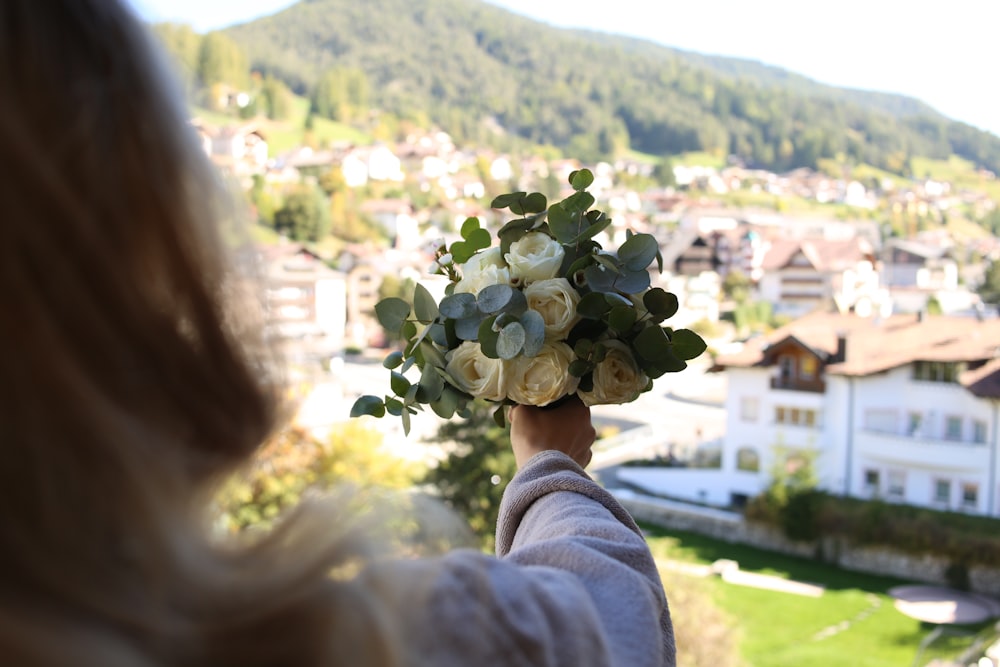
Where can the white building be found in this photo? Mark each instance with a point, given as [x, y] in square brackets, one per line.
[904, 408]
[800, 276]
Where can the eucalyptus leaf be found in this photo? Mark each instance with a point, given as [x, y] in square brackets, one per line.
[394, 406]
[632, 282]
[615, 299]
[408, 330]
[446, 404]
[479, 240]
[638, 252]
[459, 306]
[652, 343]
[581, 179]
[599, 278]
[660, 303]
[500, 417]
[405, 418]
[535, 203]
[391, 313]
[504, 201]
[621, 318]
[470, 226]
[461, 252]
[438, 333]
[579, 367]
[565, 225]
[578, 203]
[431, 385]
[399, 384]
[687, 344]
[467, 328]
[488, 338]
[501, 299]
[534, 332]
[424, 306]
[593, 306]
[368, 405]
[510, 341]
[432, 355]
[393, 360]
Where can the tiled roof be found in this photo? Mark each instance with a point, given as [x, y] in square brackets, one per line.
[877, 345]
[823, 254]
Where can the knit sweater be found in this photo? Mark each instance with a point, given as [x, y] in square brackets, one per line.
[573, 585]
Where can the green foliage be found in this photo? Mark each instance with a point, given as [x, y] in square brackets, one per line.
[594, 95]
[304, 216]
[221, 61]
[341, 94]
[293, 462]
[472, 477]
[989, 289]
[791, 500]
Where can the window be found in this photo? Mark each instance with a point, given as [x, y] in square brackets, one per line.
[807, 368]
[787, 368]
[937, 371]
[953, 428]
[970, 495]
[747, 459]
[942, 491]
[914, 423]
[978, 431]
[795, 416]
[897, 484]
[872, 480]
[749, 408]
[881, 421]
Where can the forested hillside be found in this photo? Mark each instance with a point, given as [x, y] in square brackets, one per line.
[487, 75]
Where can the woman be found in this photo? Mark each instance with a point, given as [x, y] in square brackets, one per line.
[131, 383]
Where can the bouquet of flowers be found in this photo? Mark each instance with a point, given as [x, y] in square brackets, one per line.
[544, 314]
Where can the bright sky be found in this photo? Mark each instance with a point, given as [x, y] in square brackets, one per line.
[942, 53]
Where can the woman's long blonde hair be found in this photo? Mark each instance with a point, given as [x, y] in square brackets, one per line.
[129, 384]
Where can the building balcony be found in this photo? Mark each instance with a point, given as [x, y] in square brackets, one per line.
[814, 385]
[922, 452]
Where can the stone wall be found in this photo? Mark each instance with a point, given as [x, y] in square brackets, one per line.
[731, 527]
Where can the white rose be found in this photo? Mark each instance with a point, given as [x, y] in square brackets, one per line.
[556, 301]
[541, 379]
[617, 379]
[475, 373]
[482, 270]
[536, 256]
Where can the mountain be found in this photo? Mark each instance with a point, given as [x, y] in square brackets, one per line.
[486, 74]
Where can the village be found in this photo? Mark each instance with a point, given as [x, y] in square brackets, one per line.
[872, 352]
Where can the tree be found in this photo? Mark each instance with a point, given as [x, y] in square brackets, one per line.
[221, 61]
[293, 463]
[663, 173]
[275, 99]
[184, 46]
[340, 94]
[472, 477]
[305, 215]
[736, 286]
[989, 290]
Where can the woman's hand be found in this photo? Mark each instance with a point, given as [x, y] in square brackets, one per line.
[566, 429]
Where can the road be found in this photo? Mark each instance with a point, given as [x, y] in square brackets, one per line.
[683, 409]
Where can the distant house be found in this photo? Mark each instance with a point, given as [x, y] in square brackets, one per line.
[376, 163]
[397, 217]
[238, 149]
[917, 273]
[306, 300]
[903, 408]
[801, 276]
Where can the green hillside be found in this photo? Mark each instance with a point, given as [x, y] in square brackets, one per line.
[489, 76]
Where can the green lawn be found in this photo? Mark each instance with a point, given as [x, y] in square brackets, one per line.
[853, 624]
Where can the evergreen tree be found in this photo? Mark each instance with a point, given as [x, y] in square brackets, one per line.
[480, 462]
